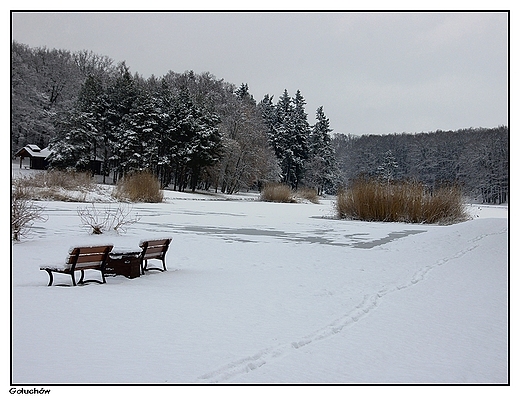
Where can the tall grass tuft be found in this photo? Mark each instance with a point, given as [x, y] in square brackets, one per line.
[57, 185]
[411, 202]
[277, 192]
[308, 194]
[68, 180]
[282, 193]
[139, 187]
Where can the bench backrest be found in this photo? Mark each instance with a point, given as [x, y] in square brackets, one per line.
[88, 257]
[156, 248]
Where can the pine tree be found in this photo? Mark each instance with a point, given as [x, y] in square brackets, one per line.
[270, 117]
[122, 139]
[290, 138]
[92, 100]
[145, 126]
[281, 137]
[322, 170]
[72, 144]
[195, 141]
[243, 94]
[299, 139]
[388, 168]
[78, 133]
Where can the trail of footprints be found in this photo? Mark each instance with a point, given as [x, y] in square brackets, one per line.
[369, 303]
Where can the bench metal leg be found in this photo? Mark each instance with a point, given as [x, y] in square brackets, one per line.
[145, 267]
[50, 277]
[84, 282]
[81, 281]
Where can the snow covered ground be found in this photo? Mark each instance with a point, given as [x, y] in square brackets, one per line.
[267, 293]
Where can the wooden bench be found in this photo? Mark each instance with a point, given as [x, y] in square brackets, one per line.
[154, 249]
[81, 259]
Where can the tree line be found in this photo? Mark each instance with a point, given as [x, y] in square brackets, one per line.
[191, 130]
[476, 159]
[196, 131]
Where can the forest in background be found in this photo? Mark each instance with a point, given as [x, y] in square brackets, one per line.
[476, 159]
[199, 132]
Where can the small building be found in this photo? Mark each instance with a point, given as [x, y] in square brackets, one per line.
[38, 159]
[37, 156]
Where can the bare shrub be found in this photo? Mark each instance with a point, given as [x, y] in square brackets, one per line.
[23, 212]
[372, 200]
[99, 221]
[277, 192]
[139, 187]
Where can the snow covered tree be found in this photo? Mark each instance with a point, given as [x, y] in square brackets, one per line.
[195, 141]
[299, 140]
[270, 117]
[288, 132]
[44, 85]
[247, 158]
[144, 124]
[321, 171]
[486, 165]
[245, 97]
[122, 139]
[72, 146]
[79, 133]
[387, 170]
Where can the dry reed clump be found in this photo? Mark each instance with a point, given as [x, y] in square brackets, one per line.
[57, 185]
[277, 192]
[139, 187]
[372, 200]
[282, 193]
[68, 180]
[308, 194]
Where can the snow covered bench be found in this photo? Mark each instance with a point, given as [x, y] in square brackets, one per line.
[154, 249]
[81, 259]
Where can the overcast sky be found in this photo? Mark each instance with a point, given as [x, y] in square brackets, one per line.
[372, 72]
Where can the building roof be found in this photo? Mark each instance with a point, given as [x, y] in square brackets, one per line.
[32, 150]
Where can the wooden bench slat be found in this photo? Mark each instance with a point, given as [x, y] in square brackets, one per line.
[90, 258]
[89, 249]
[155, 249]
[89, 265]
[155, 242]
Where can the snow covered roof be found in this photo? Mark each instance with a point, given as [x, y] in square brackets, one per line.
[32, 150]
